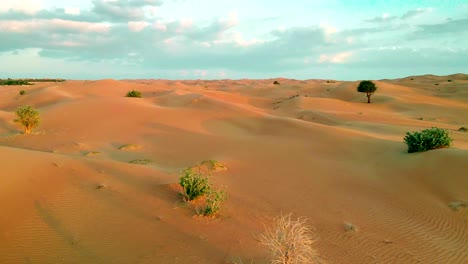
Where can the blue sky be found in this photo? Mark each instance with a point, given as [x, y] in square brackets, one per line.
[207, 39]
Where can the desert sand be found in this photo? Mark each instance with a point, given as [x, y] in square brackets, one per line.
[312, 148]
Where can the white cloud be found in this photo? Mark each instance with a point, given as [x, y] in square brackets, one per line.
[137, 26]
[32, 26]
[72, 10]
[159, 26]
[226, 41]
[335, 58]
[28, 6]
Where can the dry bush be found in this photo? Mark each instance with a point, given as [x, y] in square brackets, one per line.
[290, 241]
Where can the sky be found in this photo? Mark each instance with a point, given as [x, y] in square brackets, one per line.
[232, 39]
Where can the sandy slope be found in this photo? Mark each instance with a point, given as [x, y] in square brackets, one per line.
[312, 148]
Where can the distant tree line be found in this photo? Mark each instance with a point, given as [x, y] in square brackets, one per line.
[10, 81]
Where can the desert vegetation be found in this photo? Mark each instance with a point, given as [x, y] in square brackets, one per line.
[290, 241]
[194, 184]
[134, 93]
[213, 201]
[367, 87]
[427, 139]
[28, 117]
[458, 205]
[22, 92]
[27, 81]
[14, 82]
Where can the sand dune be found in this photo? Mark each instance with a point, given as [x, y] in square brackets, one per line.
[71, 194]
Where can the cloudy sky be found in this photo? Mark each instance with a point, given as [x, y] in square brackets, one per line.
[218, 39]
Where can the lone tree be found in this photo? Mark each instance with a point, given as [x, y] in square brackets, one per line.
[367, 87]
[28, 116]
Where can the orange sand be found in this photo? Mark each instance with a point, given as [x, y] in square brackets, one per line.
[325, 154]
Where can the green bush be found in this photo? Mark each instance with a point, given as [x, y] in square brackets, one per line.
[276, 83]
[134, 93]
[22, 92]
[194, 184]
[28, 116]
[214, 199]
[431, 138]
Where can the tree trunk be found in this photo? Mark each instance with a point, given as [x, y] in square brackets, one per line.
[368, 98]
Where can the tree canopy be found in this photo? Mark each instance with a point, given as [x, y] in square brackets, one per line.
[367, 87]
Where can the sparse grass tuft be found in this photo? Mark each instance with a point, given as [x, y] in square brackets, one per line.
[214, 199]
[431, 138]
[349, 227]
[458, 205]
[22, 92]
[140, 161]
[213, 165]
[290, 241]
[194, 184]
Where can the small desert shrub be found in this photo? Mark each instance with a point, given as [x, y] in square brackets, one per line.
[214, 199]
[28, 116]
[134, 93]
[276, 83]
[290, 241]
[349, 227]
[463, 129]
[213, 165]
[194, 184]
[140, 161]
[22, 92]
[458, 205]
[449, 80]
[431, 138]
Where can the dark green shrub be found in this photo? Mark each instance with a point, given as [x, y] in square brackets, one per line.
[134, 93]
[194, 184]
[214, 199]
[367, 87]
[449, 80]
[431, 138]
[22, 92]
[28, 116]
[276, 82]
